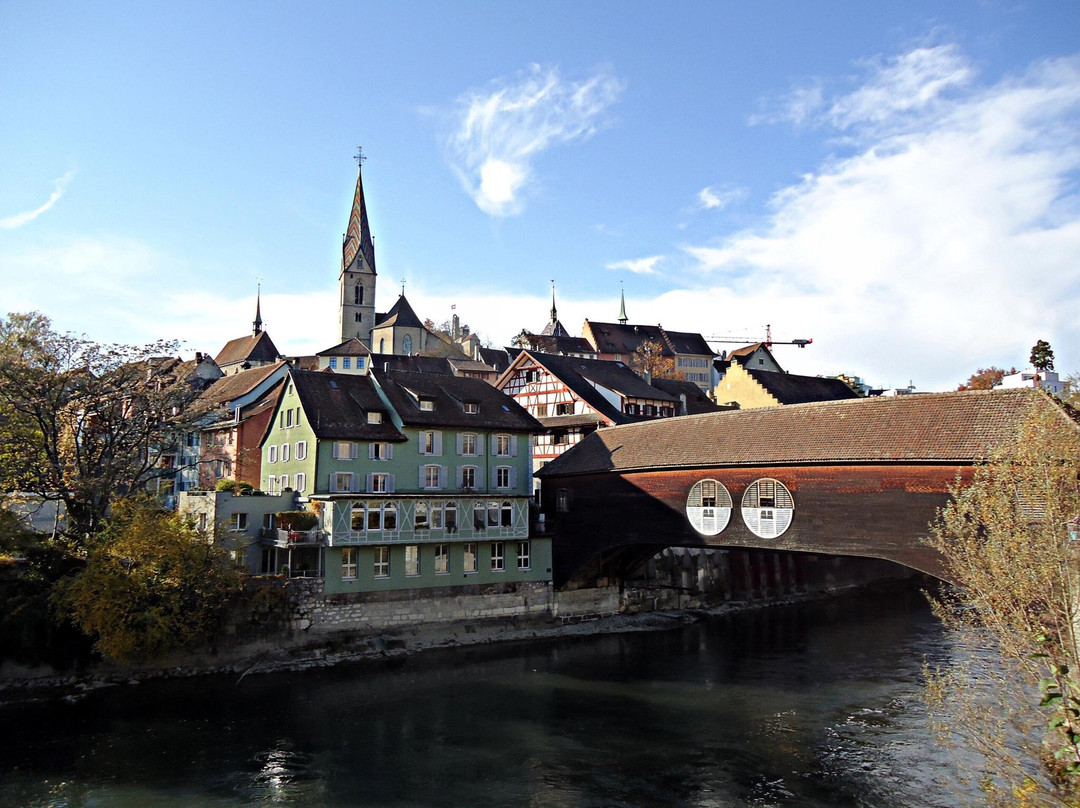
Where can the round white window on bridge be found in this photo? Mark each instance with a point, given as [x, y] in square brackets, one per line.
[767, 508]
[708, 507]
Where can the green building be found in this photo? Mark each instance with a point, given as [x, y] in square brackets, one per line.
[421, 481]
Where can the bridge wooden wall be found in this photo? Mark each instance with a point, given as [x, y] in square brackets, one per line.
[865, 510]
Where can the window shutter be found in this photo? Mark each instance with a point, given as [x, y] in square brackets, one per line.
[460, 476]
[354, 451]
[334, 450]
[494, 444]
[354, 483]
[460, 442]
[479, 477]
[513, 445]
[332, 484]
[389, 451]
[442, 476]
[423, 476]
[513, 477]
[371, 451]
[389, 483]
[480, 445]
[368, 482]
[438, 444]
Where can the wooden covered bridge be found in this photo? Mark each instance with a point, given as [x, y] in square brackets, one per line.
[859, 478]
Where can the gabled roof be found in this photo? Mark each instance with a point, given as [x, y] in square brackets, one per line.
[742, 356]
[555, 329]
[582, 376]
[412, 364]
[233, 386]
[498, 358]
[336, 406]
[254, 348]
[554, 344]
[687, 342]
[350, 347]
[625, 339]
[448, 395]
[358, 234]
[463, 365]
[401, 315]
[936, 427]
[696, 400]
[789, 388]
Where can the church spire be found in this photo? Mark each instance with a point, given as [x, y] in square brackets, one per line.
[358, 236]
[622, 307]
[257, 324]
[554, 313]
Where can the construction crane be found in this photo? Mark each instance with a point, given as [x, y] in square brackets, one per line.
[769, 341]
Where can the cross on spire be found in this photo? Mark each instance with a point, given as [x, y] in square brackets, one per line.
[359, 157]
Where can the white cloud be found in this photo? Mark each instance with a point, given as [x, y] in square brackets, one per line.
[639, 266]
[946, 242]
[499, 131]
[19, 219]
[712, 198]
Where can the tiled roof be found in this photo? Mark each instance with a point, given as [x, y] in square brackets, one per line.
[350, 347]
[625, 339]
[336, 406]
[449, 394]
[255, 348]
[938, 427]
[412, 364]
[788, 388]
[686, 342]
[546, 343]
[470, 364]
[235, 385]
[696, 400]
[401, 315]
[583, 419]
[496, 357]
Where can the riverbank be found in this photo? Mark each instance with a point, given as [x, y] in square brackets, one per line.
[374, 648]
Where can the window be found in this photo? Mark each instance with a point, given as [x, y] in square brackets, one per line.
[541, 410]
[271, 484]
[380, 451]
[412, 559]
[564, 408]
[271, 455]
[374, 518]
[442, 559]
[301, 482]
[381, 567]
[767, 508]
[378, 483]
[430, 442]
[357, 516]
[502, 445]
[420, 516]
[341, 482]
[406, 346]
[468, 476]
[507, 515]
[708, 507]
[502, 477]
[359, 317]
[374, 417]
[285, 447]
[345, 450]
[498, 556]
[562, 500]
[301, 450]
[468, 444]
[470, 557]
[348, 563]
[239, 521]
[471, 408]
[431, 477]
[450, 517]
[269, 521]
[524, 558]
[346, 363]
[358, 295]
[479, 512]
[389, 516]
[493, 514]
[333, 363]
[288, 417]
[283, 481]
[427, 405]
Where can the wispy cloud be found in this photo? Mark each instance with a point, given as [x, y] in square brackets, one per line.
[712, 198]
[19, 219]
[500, 130]
[946, 240]
[639, 266]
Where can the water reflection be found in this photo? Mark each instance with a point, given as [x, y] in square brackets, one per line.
[812, 705]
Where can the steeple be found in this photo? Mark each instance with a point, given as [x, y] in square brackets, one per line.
[356, 282]
[257, 325]
[622, 307]
[554, 313]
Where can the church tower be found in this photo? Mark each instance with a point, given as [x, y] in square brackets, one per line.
[356, 284]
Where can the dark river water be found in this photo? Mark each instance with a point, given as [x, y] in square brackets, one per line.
[809, 705]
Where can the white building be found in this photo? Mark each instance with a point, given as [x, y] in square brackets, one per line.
[1047, 379]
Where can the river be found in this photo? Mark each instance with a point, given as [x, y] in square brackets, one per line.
[814, 704]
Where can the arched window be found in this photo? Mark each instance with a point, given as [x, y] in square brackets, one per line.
[382, 346]
[358, 295]
[450, 517]
[507, 514]
[767, 508]
[708, 507]
[406, 345]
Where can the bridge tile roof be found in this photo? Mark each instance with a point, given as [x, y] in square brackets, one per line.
[964, 427]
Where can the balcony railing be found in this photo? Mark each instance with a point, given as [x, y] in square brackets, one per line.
[292, 538]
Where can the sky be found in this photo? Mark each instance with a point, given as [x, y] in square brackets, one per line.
[896, 181]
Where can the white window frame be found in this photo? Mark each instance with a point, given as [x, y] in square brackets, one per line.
[342, 482]
[379, 483]
[427, 472]
[470, 562]
[345, 450]
[374, 417]
[468, 442]
[469, 476]
[271, 484]
[524, 555]
[430, 442]
[348, 564]
[301, 482]
[498, 556]
[442, 559]
[502, 445]
[504, 477]
[271, 453]
[380, 567]
[412, 560]
[285, 452]
[283, 481]
[380, 450]
[471, 408]
[301, 450]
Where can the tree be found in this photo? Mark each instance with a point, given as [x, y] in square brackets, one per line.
[1042, 356]
[986, 378]
[648, 359]
[82, 422]
[1006, 545]
[152, 584]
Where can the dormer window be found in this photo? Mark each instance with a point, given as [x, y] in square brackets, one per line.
[427, 405]
[471, 408]
[374, 417]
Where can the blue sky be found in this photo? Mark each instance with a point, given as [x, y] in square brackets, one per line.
[897, 181]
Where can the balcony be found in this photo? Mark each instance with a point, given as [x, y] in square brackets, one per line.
[292, 538]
